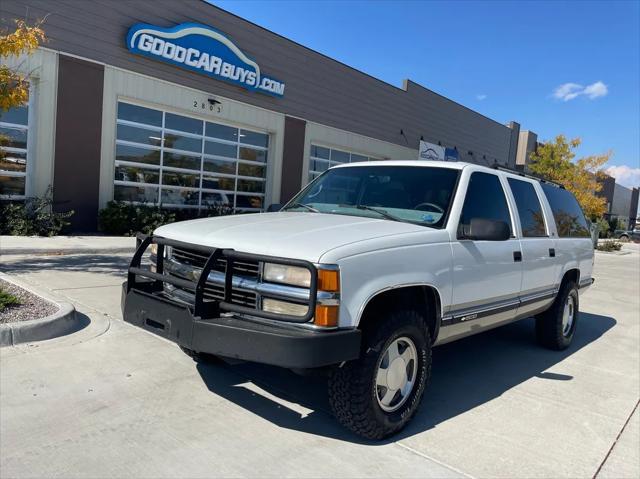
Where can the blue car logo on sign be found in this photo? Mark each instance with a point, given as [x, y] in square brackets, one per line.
[202, 49]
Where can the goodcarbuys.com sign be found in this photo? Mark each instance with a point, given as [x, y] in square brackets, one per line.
[205, 50]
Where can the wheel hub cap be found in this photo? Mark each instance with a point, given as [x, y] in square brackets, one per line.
[396, 375]
[568, 315]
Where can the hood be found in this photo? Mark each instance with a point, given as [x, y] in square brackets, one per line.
[299, 235]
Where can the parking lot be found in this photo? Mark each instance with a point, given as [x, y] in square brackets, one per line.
[115, 401]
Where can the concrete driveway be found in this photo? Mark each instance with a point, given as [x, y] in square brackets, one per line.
[112, 400]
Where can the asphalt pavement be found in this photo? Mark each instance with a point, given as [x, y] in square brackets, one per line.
[114, 401]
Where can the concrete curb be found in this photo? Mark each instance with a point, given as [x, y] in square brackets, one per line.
[63, 322]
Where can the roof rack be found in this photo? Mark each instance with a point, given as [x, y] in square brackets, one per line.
[497, 166]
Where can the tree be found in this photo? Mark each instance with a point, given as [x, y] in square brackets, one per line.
[554, 161]
[14, 86]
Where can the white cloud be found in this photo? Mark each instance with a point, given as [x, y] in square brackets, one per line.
[481, 96]
[569, 91]
[625, 175]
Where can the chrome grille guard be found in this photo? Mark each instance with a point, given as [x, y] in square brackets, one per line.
[213, 308]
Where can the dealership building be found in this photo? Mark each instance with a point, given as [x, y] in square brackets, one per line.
[184, 104]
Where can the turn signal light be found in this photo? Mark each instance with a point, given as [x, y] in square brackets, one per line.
[326, 316]
[329, 280]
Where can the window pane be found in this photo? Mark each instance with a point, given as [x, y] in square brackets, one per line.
[183, 123]
[210, 198]
[253, 138]
[13, 162]
[11, 185]
[339, 156]
[220, 149]
[179, 197]
[257, 171]
[13, 137]
[253, 155]
[319, 165]
[182, 142]
[142, 194]
[177, 160]
[180, 179]
[221, 131]
[137, 175]
[320, 152]
[139, 114]
[220, 166]
[529, 209]
[139, 155]
[248, 201]
[213, 183]
[485, 199]
[139, 135]
[19, 115]
[355, 158]
[251, 186]
[567, 213]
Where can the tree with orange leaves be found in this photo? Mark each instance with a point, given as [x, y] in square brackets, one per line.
[554, 161]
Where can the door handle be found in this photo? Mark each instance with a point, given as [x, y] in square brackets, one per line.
[552, 252]
[517, 256]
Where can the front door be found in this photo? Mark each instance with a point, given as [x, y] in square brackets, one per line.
[486, 274]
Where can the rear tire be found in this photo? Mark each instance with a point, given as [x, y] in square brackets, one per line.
[376, 395]
[556, 326]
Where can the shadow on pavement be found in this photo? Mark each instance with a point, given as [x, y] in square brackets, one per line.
[114, 265]
[465, 374]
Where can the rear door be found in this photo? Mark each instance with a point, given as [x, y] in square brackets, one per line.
[486, 274]
[538, 248]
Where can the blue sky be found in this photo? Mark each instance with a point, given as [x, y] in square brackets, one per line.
[502, 59]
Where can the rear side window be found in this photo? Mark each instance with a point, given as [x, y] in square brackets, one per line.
[570, 220]
[485, 199]
[529, 209]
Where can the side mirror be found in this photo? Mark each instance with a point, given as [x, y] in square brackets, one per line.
[274, 207]
[482, 229]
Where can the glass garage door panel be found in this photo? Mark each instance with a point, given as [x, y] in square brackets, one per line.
[322, 158]
[14, 131]
[184, 162]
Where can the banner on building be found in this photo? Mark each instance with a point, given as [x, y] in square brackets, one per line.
[429, 151]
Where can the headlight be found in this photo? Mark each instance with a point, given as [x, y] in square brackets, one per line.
[293, 275]
[284, 307]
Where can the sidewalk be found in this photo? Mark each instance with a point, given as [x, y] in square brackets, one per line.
[28, 245]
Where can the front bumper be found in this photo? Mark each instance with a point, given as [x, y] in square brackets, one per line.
[233, 337]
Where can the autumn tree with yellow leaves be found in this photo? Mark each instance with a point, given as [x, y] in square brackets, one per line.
[14, 85]
[554, 161]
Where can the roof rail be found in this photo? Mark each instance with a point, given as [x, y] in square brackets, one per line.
[497, 166]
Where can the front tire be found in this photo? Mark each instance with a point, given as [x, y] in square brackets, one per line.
[376, 395]
[556, 326]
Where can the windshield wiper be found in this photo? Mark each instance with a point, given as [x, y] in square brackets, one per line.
[302, 205]
[383, 213]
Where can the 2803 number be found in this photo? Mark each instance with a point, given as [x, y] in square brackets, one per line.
[201, 105]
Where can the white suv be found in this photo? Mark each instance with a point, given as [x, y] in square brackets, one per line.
[366, 270]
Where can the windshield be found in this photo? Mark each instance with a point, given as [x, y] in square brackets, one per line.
[413, 194]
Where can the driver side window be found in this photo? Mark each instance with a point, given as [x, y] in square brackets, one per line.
[485, 199]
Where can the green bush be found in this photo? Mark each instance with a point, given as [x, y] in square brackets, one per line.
[603, 227]
[609, 246]
[7, 299]
[122, 218]
[33, 217]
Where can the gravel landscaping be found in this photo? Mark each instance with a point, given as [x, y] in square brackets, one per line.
[30, 307]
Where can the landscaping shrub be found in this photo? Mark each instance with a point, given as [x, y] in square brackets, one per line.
[33, 217]
[122, 218]
[609, 246]
[7, 299]
[603, 228]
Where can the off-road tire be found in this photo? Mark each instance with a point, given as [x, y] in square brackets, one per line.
[352, 387]
[549, 323]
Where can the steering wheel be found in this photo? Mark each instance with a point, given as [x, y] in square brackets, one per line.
[430, 207]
